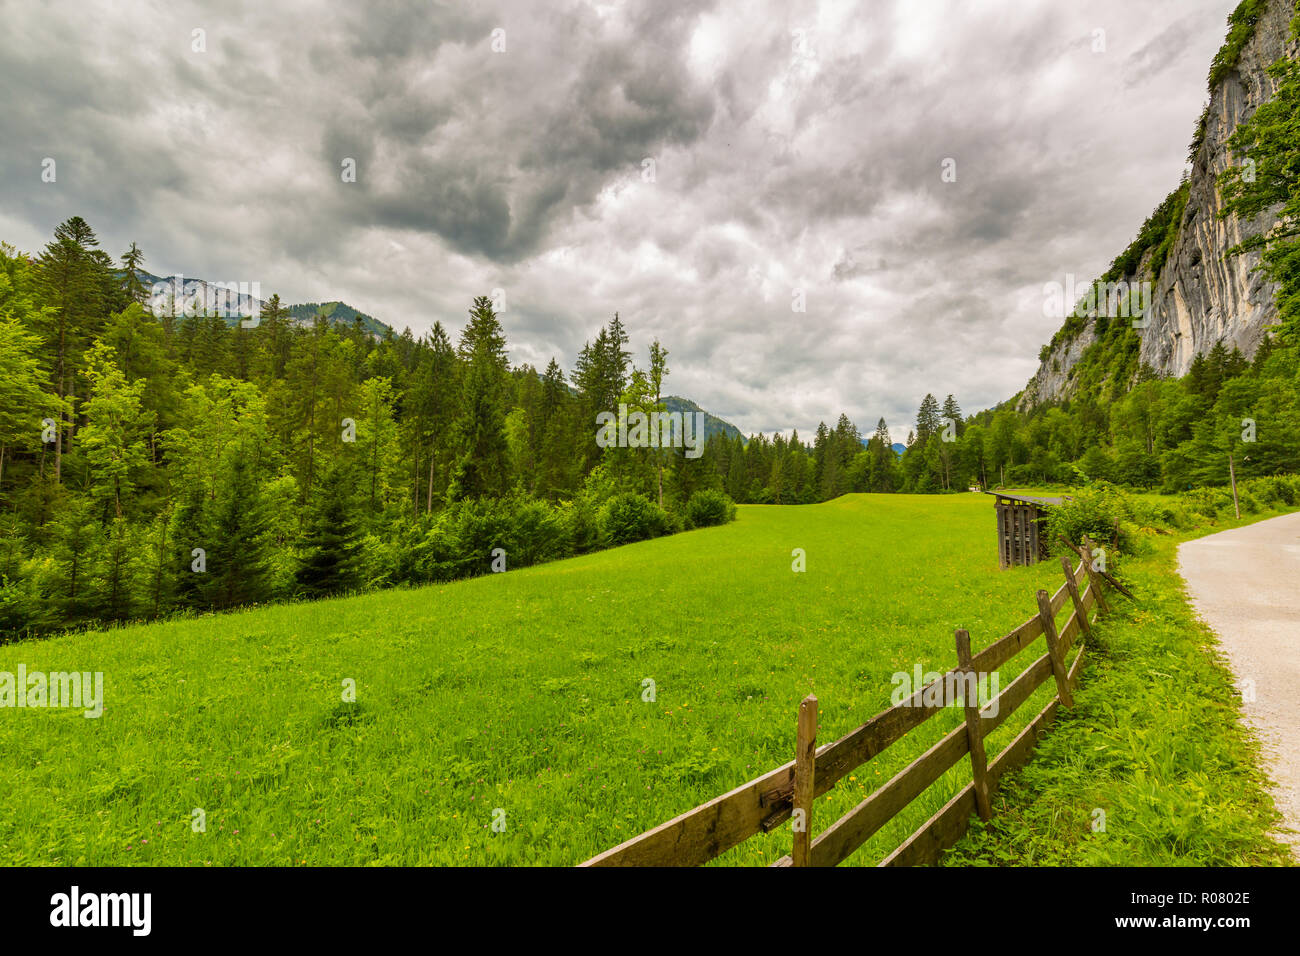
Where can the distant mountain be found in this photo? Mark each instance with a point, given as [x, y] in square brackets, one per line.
[234, 304]
[713, 425]
[339, 313]
[898, 447]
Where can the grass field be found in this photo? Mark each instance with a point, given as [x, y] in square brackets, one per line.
[520, 691]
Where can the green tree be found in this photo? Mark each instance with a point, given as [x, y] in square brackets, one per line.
[115, 425]
[237, 564]
[482, 468]
[23, 402]
[332, 546]
[132, 284]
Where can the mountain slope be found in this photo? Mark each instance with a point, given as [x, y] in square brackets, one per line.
[713, 425]
[339, 313]
[1198, 294]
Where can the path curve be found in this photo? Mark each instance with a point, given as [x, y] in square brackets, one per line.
[1245, 584]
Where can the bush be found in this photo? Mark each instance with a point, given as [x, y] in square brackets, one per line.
[631, 517]
[1209, 502]
[1094, 511]
[1161, 514]
[1272, 491]
[380, 561]
[581, 517]
[538, 533]
[460, 542]
[710, 507]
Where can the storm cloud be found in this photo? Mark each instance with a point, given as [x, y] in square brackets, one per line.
[699, 167]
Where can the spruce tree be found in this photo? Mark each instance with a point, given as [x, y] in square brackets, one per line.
[482, 468]
[952, 413]
[188, 533]
[927, 419]
[132, 285]
[237, 562]
[332, 546]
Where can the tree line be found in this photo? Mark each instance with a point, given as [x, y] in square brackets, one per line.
[1161, 433]
[186, 462]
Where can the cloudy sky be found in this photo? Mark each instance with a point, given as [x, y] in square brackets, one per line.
[698, 167]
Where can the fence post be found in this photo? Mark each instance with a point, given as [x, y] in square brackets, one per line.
[1054, 649]
[1093, 578]
[974, 730]
[804, 769]
[1079, 610]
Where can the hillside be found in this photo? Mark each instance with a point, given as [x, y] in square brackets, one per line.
[1199, 295]
[713, 425]
[339, 313]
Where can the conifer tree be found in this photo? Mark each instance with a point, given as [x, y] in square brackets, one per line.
[482, 468]
[332, 562]
[927, 419]
[236, 572]
[132, 284]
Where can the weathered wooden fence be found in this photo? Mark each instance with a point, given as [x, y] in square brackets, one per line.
[761, 805]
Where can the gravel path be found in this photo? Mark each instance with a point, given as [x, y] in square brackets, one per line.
[1245, 583]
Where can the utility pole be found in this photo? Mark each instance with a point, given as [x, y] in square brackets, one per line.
[1232, 473]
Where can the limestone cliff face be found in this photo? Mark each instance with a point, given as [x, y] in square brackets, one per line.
[1202, 296]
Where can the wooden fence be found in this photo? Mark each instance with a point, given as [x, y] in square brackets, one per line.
[761, 805]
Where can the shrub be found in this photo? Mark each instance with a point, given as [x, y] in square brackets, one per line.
[1094, 511]
[1272, 491]
[631, 517]
[710, 507]
[380, 561]
[581, 517]
[538, 533]
[460, 542]
[1209, 502]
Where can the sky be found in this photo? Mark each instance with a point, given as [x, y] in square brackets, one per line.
[817, 207]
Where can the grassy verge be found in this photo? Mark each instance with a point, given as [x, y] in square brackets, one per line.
[1152, 767]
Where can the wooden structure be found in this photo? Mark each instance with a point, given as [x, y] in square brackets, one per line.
[1022, 535]
[788, 792]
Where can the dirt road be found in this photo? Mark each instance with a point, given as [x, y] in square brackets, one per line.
[1245, 583]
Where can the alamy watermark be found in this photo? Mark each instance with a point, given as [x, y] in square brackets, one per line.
[228, 300]
[1112, 300]
[75, 689]
[651, 430]
[129, 910]
[953, 689]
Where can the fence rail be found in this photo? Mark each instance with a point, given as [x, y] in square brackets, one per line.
[763, 804]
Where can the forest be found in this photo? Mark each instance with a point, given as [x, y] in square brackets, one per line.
[159, 464]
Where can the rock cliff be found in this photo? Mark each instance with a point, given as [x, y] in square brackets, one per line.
[1201, 295]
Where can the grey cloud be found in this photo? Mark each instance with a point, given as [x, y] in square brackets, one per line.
[1158, 55]
[522, 170]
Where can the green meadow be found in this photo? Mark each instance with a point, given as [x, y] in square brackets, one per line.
[515, 697]
[521, 691]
